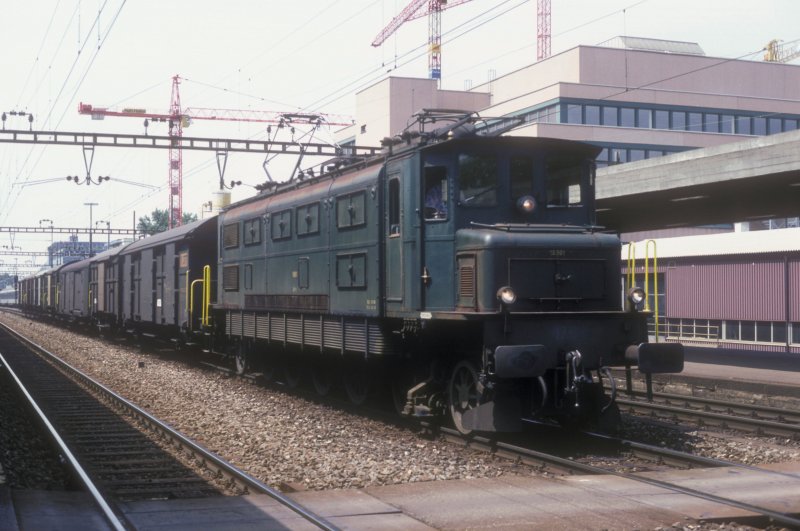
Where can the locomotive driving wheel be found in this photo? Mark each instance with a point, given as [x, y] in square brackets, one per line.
[322, 378]
[356, 382]
[240, 357]
[292, 372]
[463, 393]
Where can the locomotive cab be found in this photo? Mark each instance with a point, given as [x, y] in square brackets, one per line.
[510, 260]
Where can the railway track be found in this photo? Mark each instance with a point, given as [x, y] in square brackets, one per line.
[749, 418]
[546, 462]
[110, 443]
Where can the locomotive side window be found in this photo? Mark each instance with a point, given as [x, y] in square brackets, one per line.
[394, 207]
[307, 219]
[230, 235]
[435, 192]
[281, 225]
[477, 180]
[252, 231]
[563, 183]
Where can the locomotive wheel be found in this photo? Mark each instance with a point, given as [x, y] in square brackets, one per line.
[322, 378]
[356, 382]
[291, 371]
[463, 393]
[240, 358]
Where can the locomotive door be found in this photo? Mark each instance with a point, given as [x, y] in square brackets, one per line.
[393, 255]
[402, 237]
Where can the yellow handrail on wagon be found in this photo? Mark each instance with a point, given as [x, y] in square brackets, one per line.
[205, 318]
[206, 295]
[655, 281]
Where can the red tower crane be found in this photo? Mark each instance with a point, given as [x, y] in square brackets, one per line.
[177, 118]
[542, 29]
[417, 9]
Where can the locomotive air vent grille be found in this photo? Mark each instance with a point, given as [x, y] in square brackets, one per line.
[230, 278]
[466, 281]
[230, 235]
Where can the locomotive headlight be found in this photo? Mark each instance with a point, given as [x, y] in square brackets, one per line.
[506, 295]
[526, 204]
[636, 295]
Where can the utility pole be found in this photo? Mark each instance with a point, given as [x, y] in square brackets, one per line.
[90, 205]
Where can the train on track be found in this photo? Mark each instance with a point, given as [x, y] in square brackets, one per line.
[462, 270]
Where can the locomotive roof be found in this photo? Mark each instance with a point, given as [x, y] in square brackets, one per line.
[557, 145]
[178, 233]
[553, 145]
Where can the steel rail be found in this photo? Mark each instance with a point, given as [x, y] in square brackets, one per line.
[750, 425]
[209, 459]
[551, 461]
[75, 466]
[721, 406]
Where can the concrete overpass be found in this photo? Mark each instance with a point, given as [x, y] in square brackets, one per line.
[753, 179]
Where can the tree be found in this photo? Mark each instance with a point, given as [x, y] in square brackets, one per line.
[158, 221]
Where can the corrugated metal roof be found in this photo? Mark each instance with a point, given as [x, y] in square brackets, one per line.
[162, 238]
[653, 45]
[729, 243]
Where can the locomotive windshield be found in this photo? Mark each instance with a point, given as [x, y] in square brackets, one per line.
[477, 180]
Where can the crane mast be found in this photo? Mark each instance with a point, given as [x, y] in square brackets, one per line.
[175, 157]
[417, 9]
[542, 29]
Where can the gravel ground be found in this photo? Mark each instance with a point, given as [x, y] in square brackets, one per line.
[286, 440]
[280, 439]
[21, 443]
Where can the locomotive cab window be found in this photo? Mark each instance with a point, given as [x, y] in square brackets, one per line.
[521, 174]
[477, 180]
[564, 186]
[394, 207]
[435, 193]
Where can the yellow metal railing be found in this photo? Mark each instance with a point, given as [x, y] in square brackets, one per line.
[631, 278]
[205, 310]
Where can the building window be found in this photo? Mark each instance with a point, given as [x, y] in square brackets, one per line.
[747, 331]
[695, 121]
[644, 118]
[743, 126]
[678, 121]
[789, 125]
[794, 329]
[759, 125]
[592, 115]
[775, 126]
[574, 114]
[661, 119]
[627, 117]
[726, 124]
[636, 154]
[610, 116]
[711, 124]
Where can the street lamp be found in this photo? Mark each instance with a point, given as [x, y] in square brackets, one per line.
[90, 205]
[108, 227]
[50, 249]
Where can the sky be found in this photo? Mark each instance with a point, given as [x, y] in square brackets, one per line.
[310, 56]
